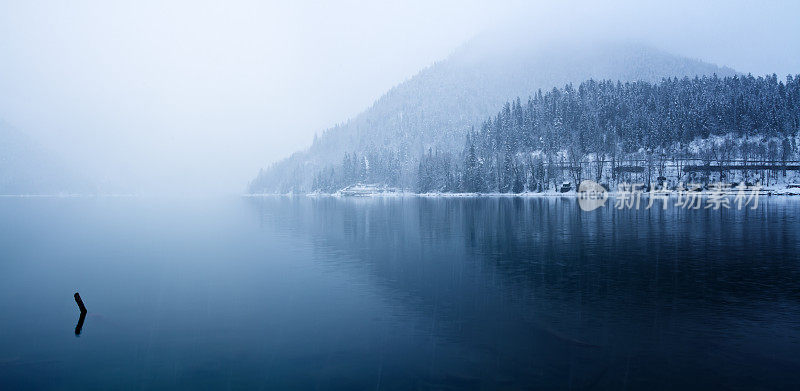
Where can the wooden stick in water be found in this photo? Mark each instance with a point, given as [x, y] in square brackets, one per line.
[80, 303]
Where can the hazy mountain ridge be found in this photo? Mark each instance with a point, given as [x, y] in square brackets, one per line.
[28, 168]
[436, 108]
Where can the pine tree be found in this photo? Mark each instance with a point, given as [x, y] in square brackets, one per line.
[472, 180]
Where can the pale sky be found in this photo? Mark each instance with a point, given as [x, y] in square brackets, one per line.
[193, 96]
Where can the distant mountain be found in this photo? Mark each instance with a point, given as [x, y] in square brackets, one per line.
[27, 168]
[436, 108]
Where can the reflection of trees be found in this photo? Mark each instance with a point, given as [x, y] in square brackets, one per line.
[547, 246]
[530, 280]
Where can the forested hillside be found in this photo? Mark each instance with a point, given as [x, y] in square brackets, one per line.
[610, 130]
[436, 108]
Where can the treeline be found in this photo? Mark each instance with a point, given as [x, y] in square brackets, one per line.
[587, 132]
[382, 167]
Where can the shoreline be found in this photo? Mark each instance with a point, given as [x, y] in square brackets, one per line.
[571, 194]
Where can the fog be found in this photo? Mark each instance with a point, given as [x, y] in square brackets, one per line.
[188, 96]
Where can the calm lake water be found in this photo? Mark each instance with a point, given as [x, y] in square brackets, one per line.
[406, 293]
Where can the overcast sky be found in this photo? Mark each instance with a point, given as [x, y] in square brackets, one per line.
[196, 96]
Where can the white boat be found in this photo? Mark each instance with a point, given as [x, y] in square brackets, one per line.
[365, 190]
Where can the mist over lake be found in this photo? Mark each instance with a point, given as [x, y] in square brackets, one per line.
[416, 195]
[396, 293]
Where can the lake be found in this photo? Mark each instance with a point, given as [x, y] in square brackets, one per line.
[396, 293]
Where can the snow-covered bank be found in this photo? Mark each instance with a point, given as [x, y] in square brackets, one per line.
[766, 191]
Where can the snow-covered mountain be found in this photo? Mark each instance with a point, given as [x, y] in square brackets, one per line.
[436, 107]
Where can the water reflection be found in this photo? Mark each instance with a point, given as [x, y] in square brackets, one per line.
[534, 292]
[79, 326]
[406, 293]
